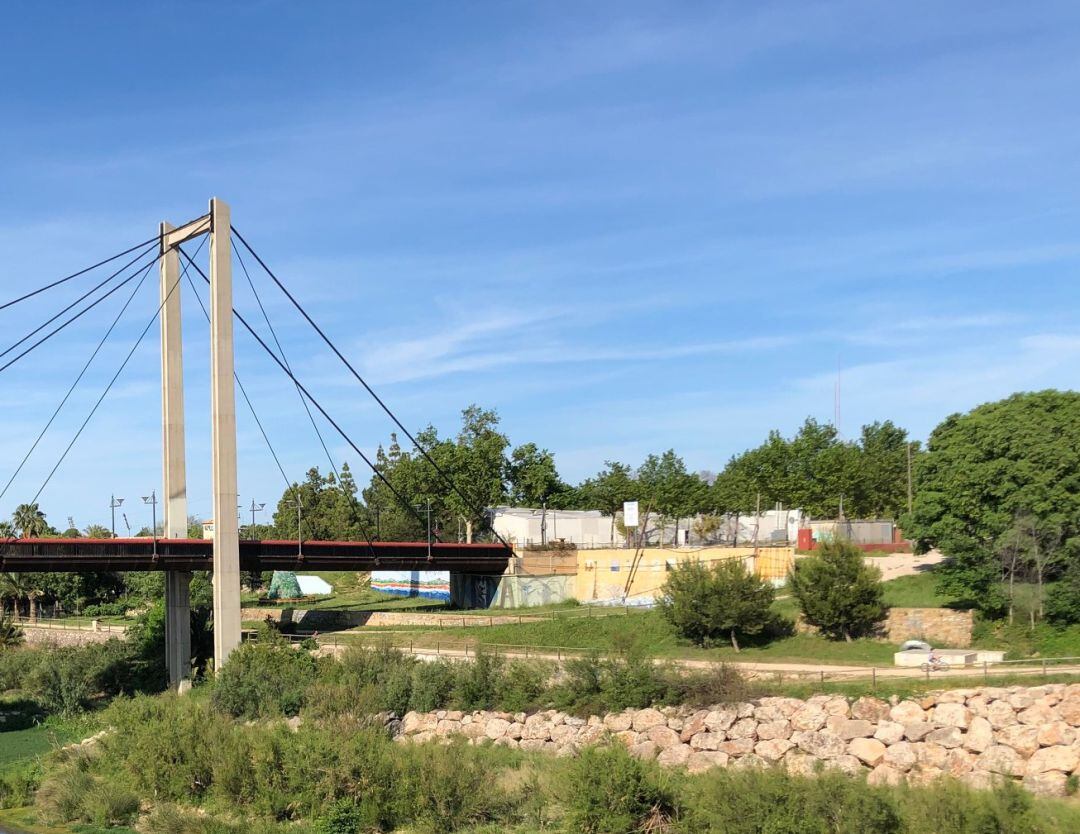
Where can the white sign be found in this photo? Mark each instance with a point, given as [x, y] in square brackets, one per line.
[630, 513]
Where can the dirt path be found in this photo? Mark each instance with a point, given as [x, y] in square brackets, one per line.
[896, 565]
[774, 671]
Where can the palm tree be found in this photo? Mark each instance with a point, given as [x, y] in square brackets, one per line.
[7, 530]
[30, 521]
[16, 587]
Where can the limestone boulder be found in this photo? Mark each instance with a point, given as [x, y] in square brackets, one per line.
[870, 709]
[774, 730]
[901, 755]
[889, 732]
[979, 736]
[664, 737]
[1022, 738]
[870, 751]
[809, 718]
[1049, 783]
[1000, 714]
[772, 750]
[907, 712]
[1056, 732]
[1002, 759]
[618, 722]
[702, 760]
[645, 719]
[707, 741]
[718, 720]
[850, 728]
[947, 737]
[823, 745]
[743, 728]
[1060, 757]
[951, 715]
[678, 754]
[885, 774]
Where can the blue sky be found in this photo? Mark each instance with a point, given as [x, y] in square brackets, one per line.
[627, 226]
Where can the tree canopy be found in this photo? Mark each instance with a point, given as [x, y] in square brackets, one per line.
[816, 470]
[998, 492]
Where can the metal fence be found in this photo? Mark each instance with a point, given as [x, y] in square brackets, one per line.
[980, 672]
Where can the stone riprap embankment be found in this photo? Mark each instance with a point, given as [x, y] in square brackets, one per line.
[1030, 734]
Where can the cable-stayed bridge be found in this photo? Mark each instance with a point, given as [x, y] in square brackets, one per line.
[226, 555]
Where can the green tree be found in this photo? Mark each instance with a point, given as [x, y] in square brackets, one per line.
[1018, 457]
[816, 471]
[837, 591]
[531, 476]
[609, 489]
[473, 462]
[98, 531]
[329, 510]
[669, 490]
[30, 521]
[1063, 600]
[719, 603]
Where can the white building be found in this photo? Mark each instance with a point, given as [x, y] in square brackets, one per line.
[523, 526]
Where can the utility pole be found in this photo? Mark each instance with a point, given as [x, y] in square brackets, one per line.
[114, 502]
[151, 499]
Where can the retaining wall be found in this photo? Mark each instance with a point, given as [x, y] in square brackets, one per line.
[980, 736]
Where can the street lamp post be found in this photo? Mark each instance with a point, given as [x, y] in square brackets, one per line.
[258, 508]
[427, 505]
[114, 502]
[151, 499]
[299, 538]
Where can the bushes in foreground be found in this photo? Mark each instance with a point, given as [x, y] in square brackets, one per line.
[213, 775]
[268, 679]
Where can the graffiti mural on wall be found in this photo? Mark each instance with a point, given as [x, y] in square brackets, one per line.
[434, 585]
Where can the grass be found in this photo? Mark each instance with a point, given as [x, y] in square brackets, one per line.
[26, 820]
[1019, 640]
[655, 636]
[918, 590]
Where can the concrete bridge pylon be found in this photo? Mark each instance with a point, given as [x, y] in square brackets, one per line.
[226, 547]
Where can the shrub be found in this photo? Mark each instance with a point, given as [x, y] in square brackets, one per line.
[11, 635]
[17, 666]
[18, 784]
[750, 801]
[68, 681]
[476, 683]
[446, 787]
[262, 680]
[837, 591]
[707, 605]
[723, 685]
[431, 685]
[610, 792]
[520, 685]
[62, 797]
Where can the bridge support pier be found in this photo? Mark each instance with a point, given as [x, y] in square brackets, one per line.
[174, 467]
[223, 438]
[178, 629]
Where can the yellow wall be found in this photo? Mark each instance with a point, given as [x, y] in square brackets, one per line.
[602, 574]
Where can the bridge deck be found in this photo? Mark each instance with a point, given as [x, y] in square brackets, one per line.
[142, 554]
